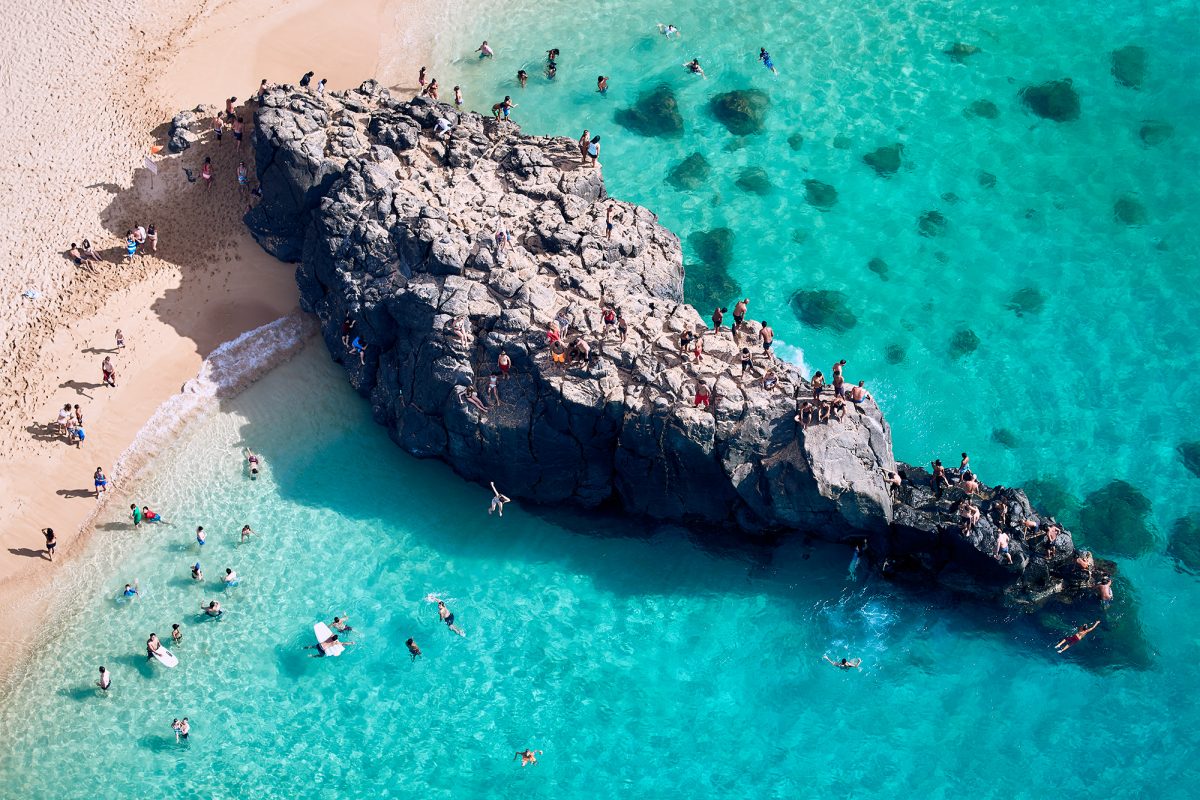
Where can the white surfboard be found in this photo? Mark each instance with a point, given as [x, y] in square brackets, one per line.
[166, 657]
[322, 631]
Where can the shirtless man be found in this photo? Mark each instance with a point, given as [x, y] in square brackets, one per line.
[447, 617]
[498, 501]
[105, 682]
[940, 481]
[858, 394]
[584, 141]
[153, 646]
[247, 532]
[414, 652]
[767, 334]
[339, 624]
[739, 313]
[818, 383]
[845, 663]
[1065, 644]
[213, 609]
[527, 756]
[1104, 592]
[804, 416]
[1002, 547]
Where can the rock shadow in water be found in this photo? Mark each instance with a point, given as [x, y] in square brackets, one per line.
[690, 174]
[819, 195]
[963, 343]
[885, 160]
[1128, 210]
[1129, 65]
[879, 267]
[1049, 495]
[824, 308]
[895, 354]
[1154, 132]
[709, 283]
[1184, 544]
[1056, 100]
[1114, 520]
[987, 180]
[1005, 438]
[932, 223]
[1028, 300]
[960, 51]
[1189, 454]
[754, 180]
[985, 109]
[796, 142]
[656, 113]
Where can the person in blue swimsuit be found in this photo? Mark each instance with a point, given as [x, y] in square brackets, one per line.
[101, 482]
[765, 58]
[129, 592]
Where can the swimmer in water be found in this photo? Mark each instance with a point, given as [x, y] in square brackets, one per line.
[852, 663]
[105, 682]
[339, 624]
[498, 501]
[247, 532]
[213, 609]
[176, 633]
[694, 67]
[602, 84]
[527, 757]
[253, 462]
[201, 536]
[484, 50]
[668, 30]
[129, 591]
[414, 652]
[1075, 638]
[322, 648]
[765, 58]
[448, 617]
[153, 646]
[522, 77]
[231, 577]
[197, 573]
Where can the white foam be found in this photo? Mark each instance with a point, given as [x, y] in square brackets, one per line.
[792, 355]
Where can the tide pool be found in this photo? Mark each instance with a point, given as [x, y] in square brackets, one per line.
[643, 663]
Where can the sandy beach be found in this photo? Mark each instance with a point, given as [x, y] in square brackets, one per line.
[103, 80]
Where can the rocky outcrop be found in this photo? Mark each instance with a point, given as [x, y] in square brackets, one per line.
[1056, 100]
[439, 252]
[186, 127]
[743, 111]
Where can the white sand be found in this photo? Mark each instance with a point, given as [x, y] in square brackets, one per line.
[89, 87]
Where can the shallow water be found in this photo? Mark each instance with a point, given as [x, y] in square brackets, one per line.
[644, 664]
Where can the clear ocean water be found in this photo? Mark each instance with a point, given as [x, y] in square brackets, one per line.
[642, 662]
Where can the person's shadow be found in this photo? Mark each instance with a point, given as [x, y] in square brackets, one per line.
[43, 432]
[29, 552]
[80, 387]
[75, 493]
[95, 351]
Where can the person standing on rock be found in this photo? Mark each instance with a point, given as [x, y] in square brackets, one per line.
[1002, 548]
[698, 350]
[306, 79]
[718, 317]
[609, 315]
[739, 314]
[584, 140]
[622, 327]
[767, 334]
[940, 481]
[505, 364]
[747, 360]
[593, 151]
[243, 178]
[152, 238]
[501, 110]
[493, 390]
[218, 128]
[608, 221]
[702, 396]
[237, 127]
[818, 383]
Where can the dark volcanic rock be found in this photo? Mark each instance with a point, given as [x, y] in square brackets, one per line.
[820, 195]
[879, 267]
[824, 308]
[1129, 210]
[1114, 519]
[691, 173]
[795, 141]
[395, 233]
[1005, 438]
[885, 160]
[1184, 544]
[1129, 66]
[1050, 495]
[656, 113]
[1056, 100]
[987, 180]
[754, 180]
[714, 247]
[959, 51]
[895, 353]
[932, 223]
[1026, 301]
[709, 286]
[983, 108]
[1154, 132]
[1189, 454]
[963, 343]
[741, 111]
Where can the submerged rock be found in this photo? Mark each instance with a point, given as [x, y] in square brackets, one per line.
[987, 180]
[713, 247]
[709, 286]
[1005, 438]
[879, 267]
[1026, 301]
[656, 113]
[795, 141]
[820, 195]
[950, 197]
[824, 308]
[799, 235]
[1050, 496]
[1114, 519]
[960, 51]
[842, 142]
[1056, 100]
[895, 353]
[983, 108]
[931, 224]
[1129, 65]
[741, 111]
[1189, 454]
[1184, 544]
[754, 180]
[963, 343]
[885, 160]
[1129, 210]
[1154, 132]
[690, 174]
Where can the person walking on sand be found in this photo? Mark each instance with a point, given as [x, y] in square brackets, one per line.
[498, 501]
[51, 542]
[484, 50]
[101, 482]
[243, 178]
[206, 172]
[152, 238]
[121, 336]
[108, 372]
[584, 141]
[131, 245]
[1075, 638]
[447, 616]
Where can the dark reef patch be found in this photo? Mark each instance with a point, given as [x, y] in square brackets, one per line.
[1113, 519]
[1129, 211]
[1056, 100]
[820, 195]
[754, 180]
[885, 160]
[709, 286]
[1005, 438]
[1154, 132]
[1129, 65]
[795, 141]
[656, 113]
[1049, 495]
[691, 173]
[1189, 454]
[932, 223]
[1028, 300]
[987, 180]
[714, 247]
[842, 142]
[984, 109]
[960, 51]
[824, 308]
[879, 267]
[895, 353]
[1184, 544]
[741, 111]
[963, 343]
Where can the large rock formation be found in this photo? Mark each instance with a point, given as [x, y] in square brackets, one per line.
[440, 251]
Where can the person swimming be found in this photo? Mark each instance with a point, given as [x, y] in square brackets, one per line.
[765, 58]
[447, 616]
[845, 663]
[253, 462]
[694, 67]
[231, 578]
[414, 652]
[339, 624]
[129, 592]
[527, 757]
[201, 536]
[213, 609]
[1075, 638]
[668, 30]
[323, 647]
[197, 573]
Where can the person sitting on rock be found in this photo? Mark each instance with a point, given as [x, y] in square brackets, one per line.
[467, 394]
[1052, 532]
[859, 395]
[970, 485]
[1085, 563]
[894, 483]
[823, 411]
[1083, 630]
[837, 408]
[459, 328]
[746, 359]
[769, 380]
[609, 315]
[580, 351]
[558, 353]
[804, 415]
[685, 341]
[702, 397]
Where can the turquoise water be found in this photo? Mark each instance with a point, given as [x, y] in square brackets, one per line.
[645, 664]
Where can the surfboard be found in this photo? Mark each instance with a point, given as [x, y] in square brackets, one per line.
[166, 657]
[322, 631]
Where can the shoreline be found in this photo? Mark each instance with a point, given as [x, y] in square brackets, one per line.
[207, 284]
